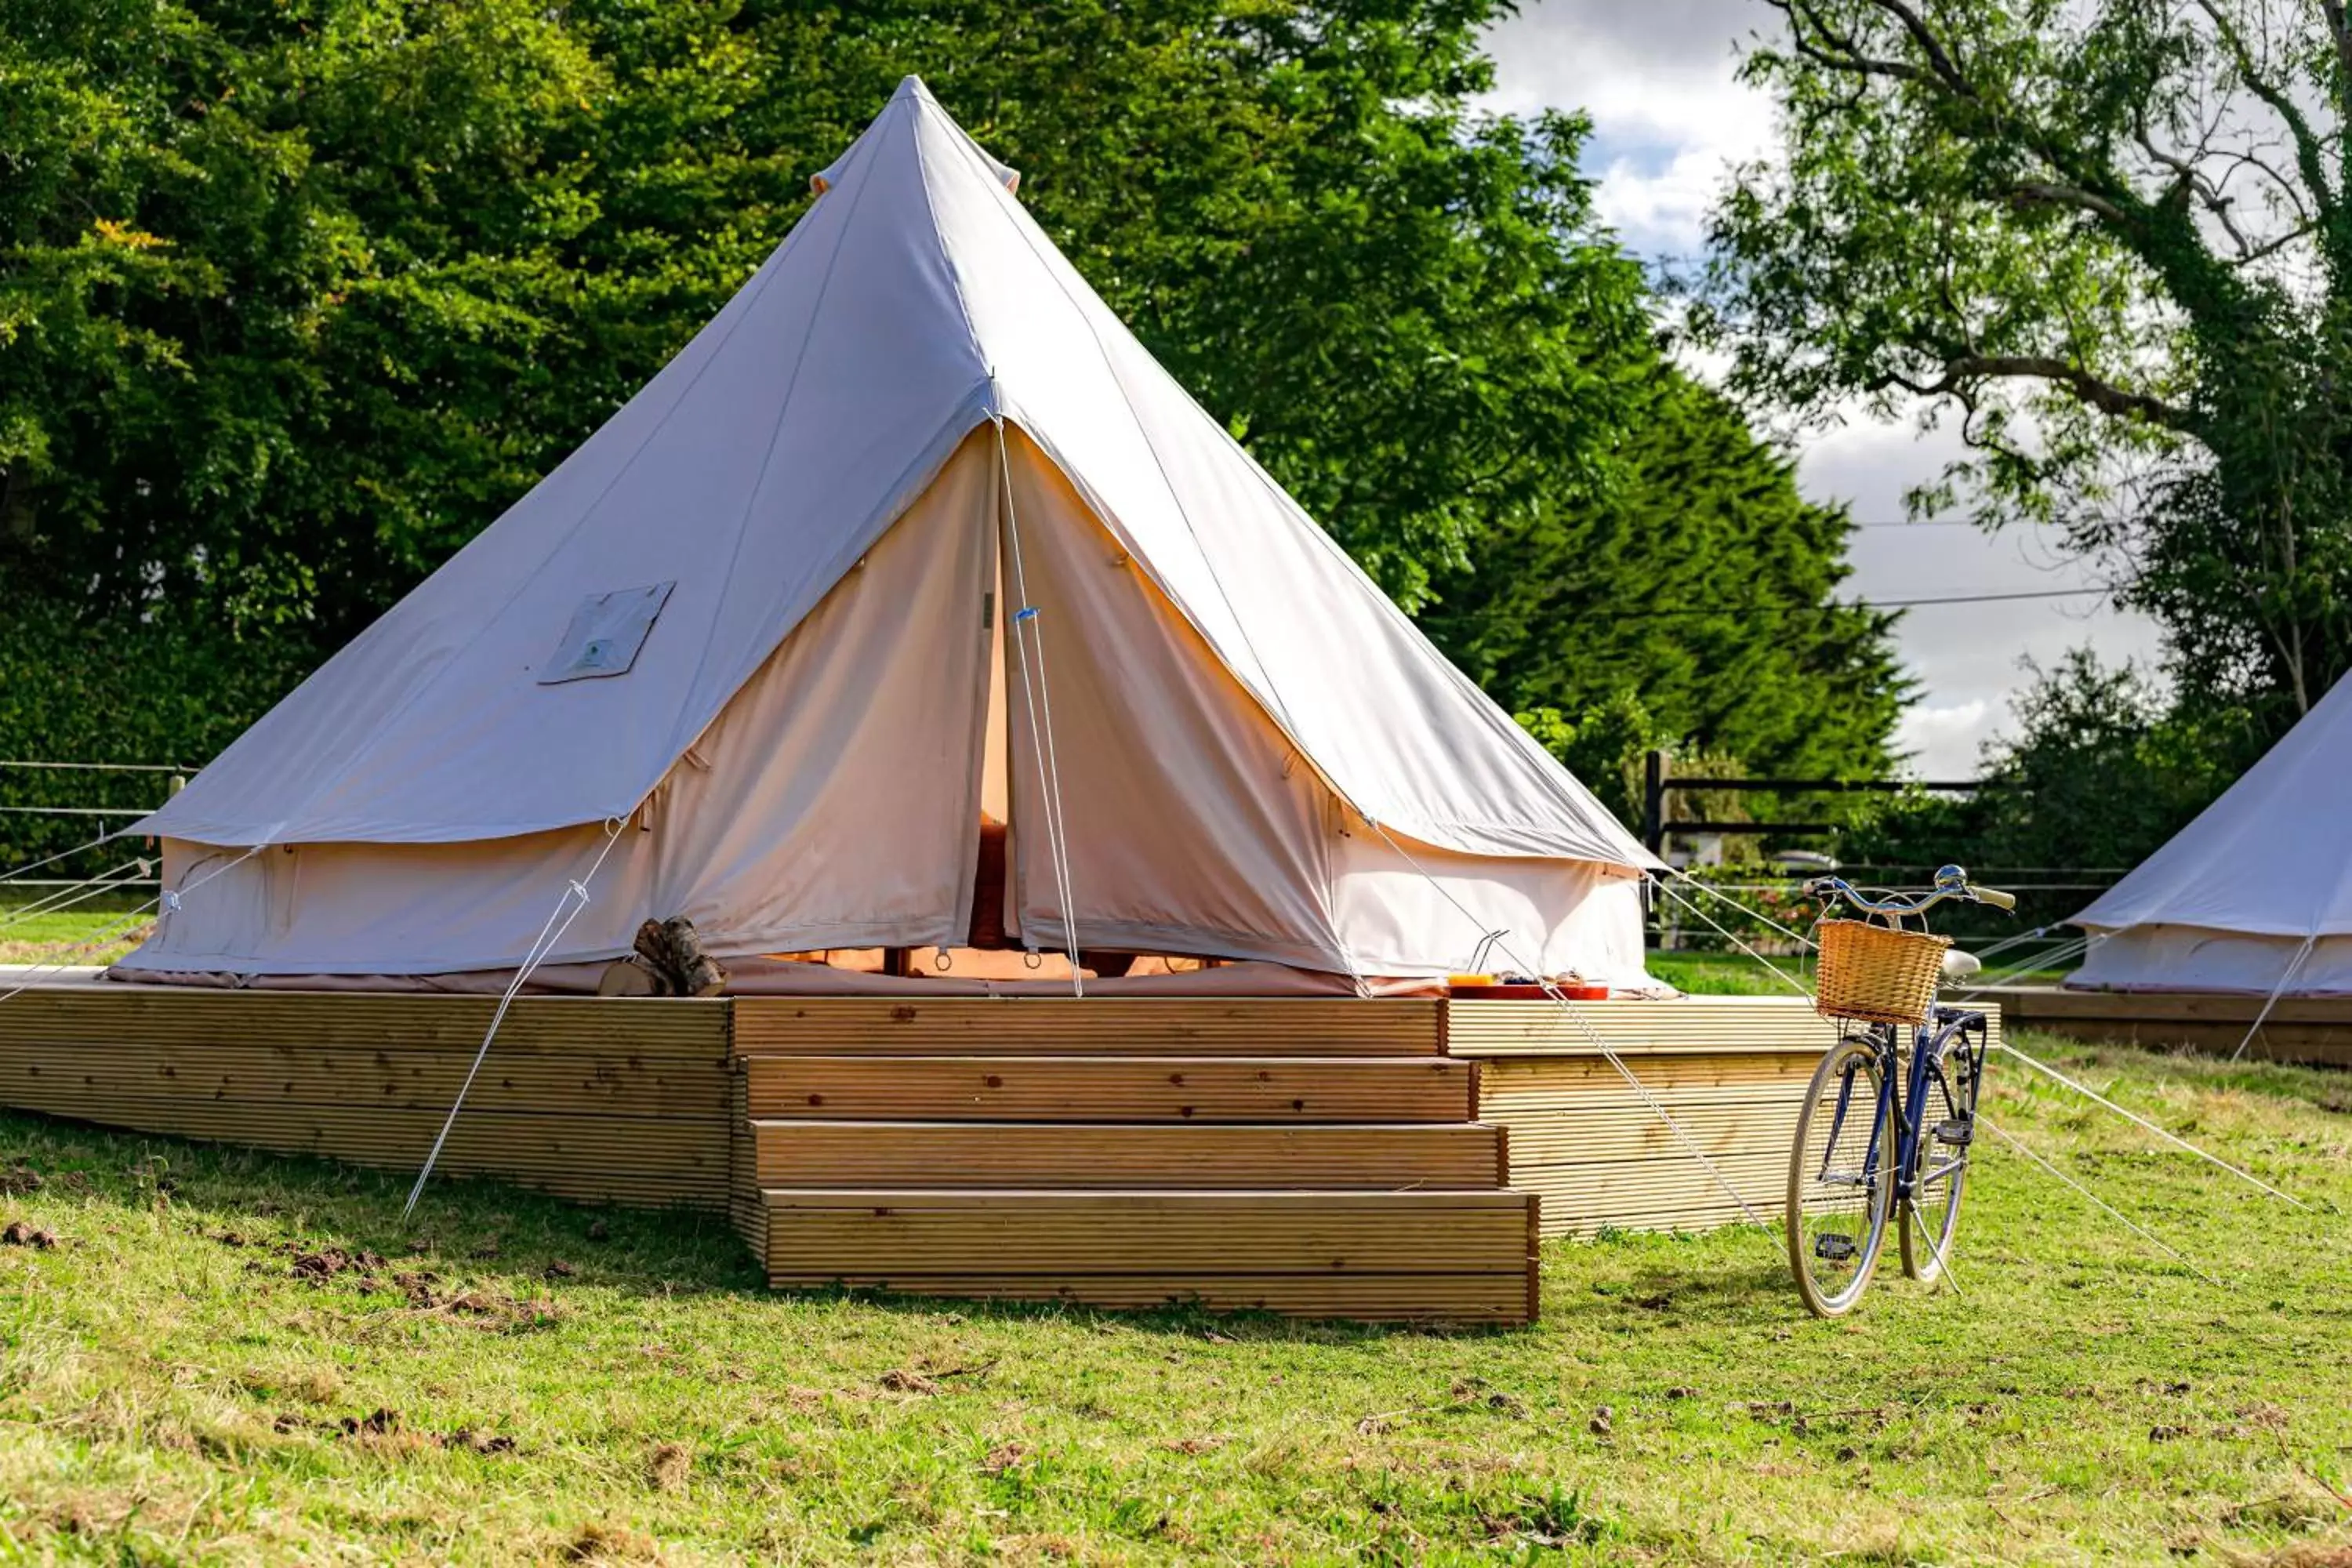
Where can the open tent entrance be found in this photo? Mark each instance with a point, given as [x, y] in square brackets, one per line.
[1110, 733]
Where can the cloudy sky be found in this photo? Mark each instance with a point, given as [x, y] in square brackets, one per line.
[1656, 77]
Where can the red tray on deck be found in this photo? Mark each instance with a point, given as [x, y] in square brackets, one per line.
[1528, 992]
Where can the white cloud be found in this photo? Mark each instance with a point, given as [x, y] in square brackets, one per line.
[1944, 742]
[1661, 211]
[1658, 80]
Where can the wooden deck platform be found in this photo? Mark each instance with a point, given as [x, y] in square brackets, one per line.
[621, 1101]
[1731, 1070]
[1323, 1156]
[2313, 1030]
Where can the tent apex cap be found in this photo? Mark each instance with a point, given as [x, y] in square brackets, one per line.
[910, 90]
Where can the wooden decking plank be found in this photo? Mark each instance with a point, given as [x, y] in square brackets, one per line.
[1500, 1299]
[1637, 1131]
[1105, 1025]
[1516, 1077]
[1704, 1025]
[378, 1077]
[1194, 1089]
[685, 1156]
[1062, 1235]
[1063, 1155]
[2315, 1030]
[110, 1014]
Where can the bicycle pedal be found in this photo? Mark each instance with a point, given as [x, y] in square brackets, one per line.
[1958, 1131]
[1834, 1249]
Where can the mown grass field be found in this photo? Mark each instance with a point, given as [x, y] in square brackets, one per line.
[1737, 974]
[227, 1357]
[94, 931]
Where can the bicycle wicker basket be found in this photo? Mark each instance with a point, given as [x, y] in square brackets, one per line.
[1876, 974]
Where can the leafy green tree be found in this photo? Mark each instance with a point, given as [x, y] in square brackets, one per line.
[160, 693]
[2112, 240]
[1699, 586]
[1604, 744]
[299, 298]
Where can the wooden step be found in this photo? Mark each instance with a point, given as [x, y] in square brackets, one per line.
[1455, 1257]
[1273, 1089]
[1088, 1026]
[939, 1155]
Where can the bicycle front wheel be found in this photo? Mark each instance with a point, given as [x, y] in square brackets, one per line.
[1941, 1171]
[1840, 1180]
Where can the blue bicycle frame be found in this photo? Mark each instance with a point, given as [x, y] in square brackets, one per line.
[1931, 1043]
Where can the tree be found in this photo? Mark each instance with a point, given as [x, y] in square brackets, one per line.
[298, 298]
[1700, 587]
[2113, 240]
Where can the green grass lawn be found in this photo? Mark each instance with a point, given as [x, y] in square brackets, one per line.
[103, 928]
[229, 1357]
[1737, 974]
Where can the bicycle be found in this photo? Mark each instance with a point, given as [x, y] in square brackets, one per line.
[1864, 1151]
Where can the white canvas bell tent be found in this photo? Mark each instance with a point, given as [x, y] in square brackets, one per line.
[913, 530]
[2255, 895]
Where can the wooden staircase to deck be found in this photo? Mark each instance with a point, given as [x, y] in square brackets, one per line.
[1316, 1157]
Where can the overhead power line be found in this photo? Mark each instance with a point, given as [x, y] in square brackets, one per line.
[1660, 611]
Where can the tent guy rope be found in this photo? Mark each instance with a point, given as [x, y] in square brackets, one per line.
[1797, 987]
[103, 838]
[1569, 1009]
[1747, 910]
[2174, 1139]
[169, 900]
[549, 934]
[72, 893]
[1026, 633]
[2117, 1215]
[2295, 966]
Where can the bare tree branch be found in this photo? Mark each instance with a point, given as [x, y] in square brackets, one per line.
[2247, 158]
[2190, 182]
[2310, 150]
[1940, 59]
[1961, 371]
[2049, 192]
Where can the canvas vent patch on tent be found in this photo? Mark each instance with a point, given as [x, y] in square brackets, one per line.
[606, 632]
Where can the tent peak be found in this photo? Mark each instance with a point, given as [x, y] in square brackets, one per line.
[911, 91]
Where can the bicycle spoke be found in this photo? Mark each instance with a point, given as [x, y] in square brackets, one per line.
[1947, 1123]
[1840, 1180]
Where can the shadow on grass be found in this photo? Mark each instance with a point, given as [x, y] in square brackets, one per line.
[2327, 1089]
[468, 1225]
[1653, 1277]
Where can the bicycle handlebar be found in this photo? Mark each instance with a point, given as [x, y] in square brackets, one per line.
[1951, 882]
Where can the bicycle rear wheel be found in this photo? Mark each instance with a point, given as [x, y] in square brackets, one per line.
[1840, 1180]
[1939, 1172]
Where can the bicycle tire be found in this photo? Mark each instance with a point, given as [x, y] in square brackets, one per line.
[1939, 1172]
[1839, 1180]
